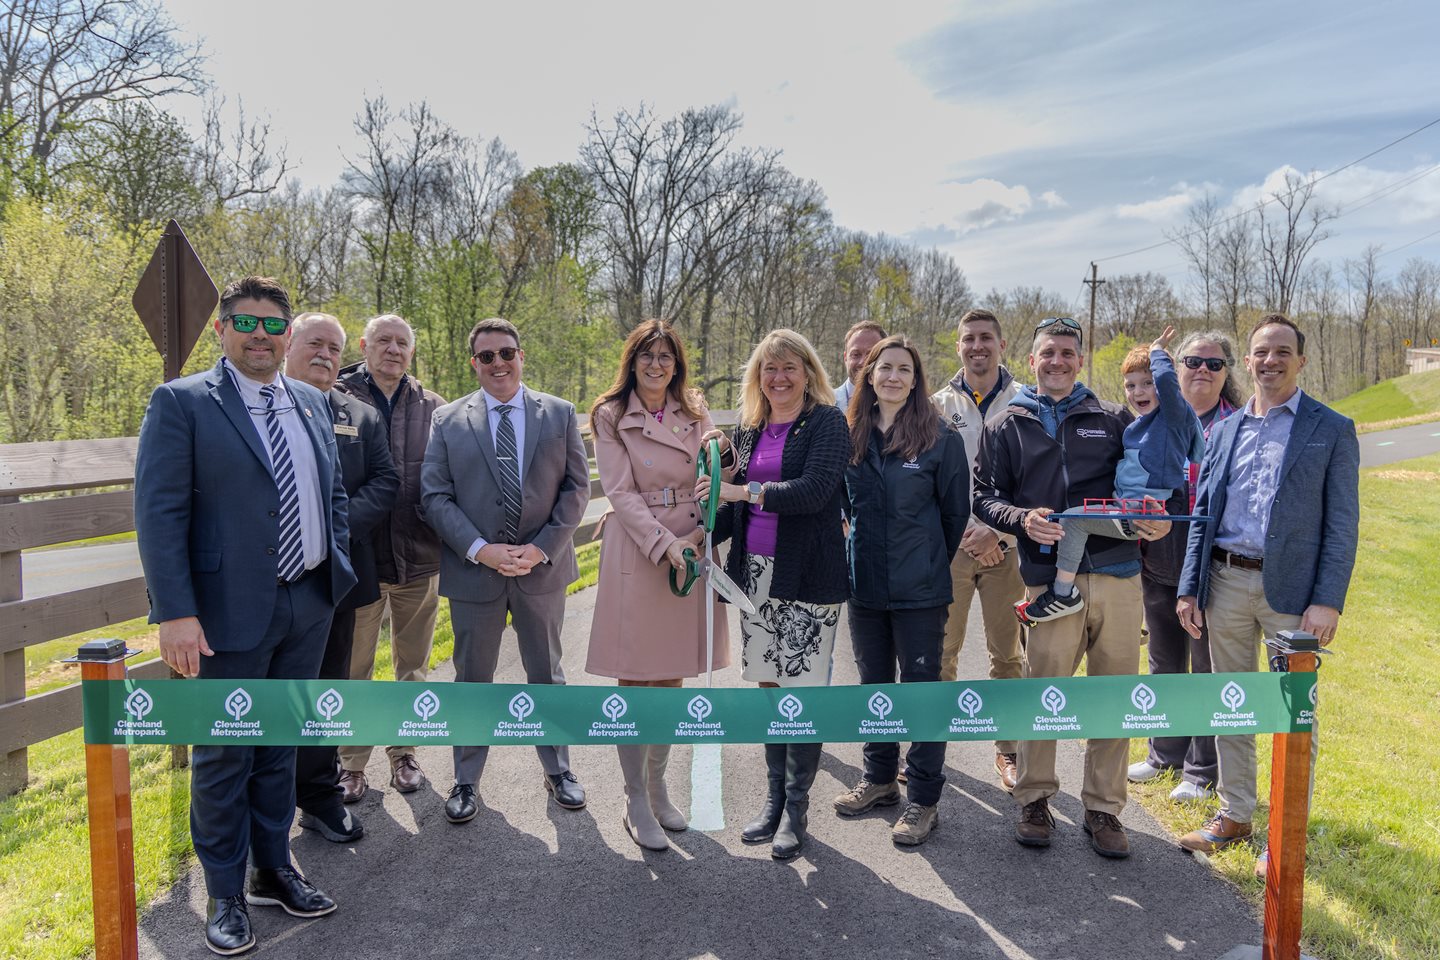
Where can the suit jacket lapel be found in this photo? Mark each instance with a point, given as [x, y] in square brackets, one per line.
[1307, 418]
[532, 431]
[232, 405]
[478, 415]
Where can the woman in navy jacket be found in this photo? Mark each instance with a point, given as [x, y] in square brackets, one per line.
[908, 501]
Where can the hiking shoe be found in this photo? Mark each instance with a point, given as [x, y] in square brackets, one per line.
[1188, 792]
[1035, 823]
[915, 824]
[1143, 772]
[1007, 770]
[1106, 835]
[1216, 833]
[866, 796]
[1048, 606]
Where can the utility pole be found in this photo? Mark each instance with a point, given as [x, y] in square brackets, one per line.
[1094, 284]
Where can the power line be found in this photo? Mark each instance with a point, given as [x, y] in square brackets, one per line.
[1274, 197]
[1393, 187]
[1410, 244]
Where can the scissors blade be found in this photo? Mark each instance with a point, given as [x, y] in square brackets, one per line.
[726, 588]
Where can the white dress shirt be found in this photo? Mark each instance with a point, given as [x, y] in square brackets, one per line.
[517, 420]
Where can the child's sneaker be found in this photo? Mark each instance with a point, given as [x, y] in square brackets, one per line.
[1048, 606]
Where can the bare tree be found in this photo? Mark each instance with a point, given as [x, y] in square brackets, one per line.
[1319, 300]
[1366, 290]
[240, 163]
[1235, 262]
[1290, 227]
[1197, 242]
[1132, 304]
[61, 59]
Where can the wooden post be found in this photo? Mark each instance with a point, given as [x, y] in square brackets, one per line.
[112, 840]
[14, 769]
[1289, 816]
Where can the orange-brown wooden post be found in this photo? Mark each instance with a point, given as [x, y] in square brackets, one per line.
[112, 840]
[1289, 816]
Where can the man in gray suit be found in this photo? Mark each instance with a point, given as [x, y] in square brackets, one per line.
[1256, 570]
[505, 483]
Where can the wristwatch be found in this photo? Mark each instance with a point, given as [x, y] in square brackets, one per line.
[752, 491]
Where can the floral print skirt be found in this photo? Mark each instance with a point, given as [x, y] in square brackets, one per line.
[787, 642]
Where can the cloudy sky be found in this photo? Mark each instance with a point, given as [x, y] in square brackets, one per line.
[1024, 138]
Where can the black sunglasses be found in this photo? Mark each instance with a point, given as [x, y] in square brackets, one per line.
[487, 357]
[1067, 322]
[245, 323]
[1213, 364]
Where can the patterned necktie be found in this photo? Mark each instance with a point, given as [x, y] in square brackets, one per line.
[509, 457]
[292, 549]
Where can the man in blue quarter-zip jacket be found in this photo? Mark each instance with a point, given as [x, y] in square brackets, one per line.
[1056, 445]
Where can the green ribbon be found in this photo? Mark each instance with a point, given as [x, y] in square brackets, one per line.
[375, 712]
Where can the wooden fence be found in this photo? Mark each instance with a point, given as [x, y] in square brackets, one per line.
[77, 468]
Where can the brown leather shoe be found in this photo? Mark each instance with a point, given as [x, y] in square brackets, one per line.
[405, 775]
[1106, 835]
[1216, 833]
[352, 785]
[1035, 823]
[1005, 767]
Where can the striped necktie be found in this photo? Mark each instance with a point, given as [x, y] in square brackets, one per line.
[292, 549]
[509, 457]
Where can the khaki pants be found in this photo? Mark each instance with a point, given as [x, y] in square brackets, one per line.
[1106, 633]
[412, 609]
[1000, 588]
[1238, 618]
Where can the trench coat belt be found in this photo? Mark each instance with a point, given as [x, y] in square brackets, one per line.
[668, 497]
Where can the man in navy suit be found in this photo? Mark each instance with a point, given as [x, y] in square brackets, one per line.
[242, 528]
[1281, 478]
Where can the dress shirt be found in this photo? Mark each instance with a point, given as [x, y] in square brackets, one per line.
[517, 420]
[302, 456]
[1255, 477]
[842, 395]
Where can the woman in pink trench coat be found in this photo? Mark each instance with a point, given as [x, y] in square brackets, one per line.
[647, 429]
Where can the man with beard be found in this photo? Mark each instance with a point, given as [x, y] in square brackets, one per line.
[859, 341]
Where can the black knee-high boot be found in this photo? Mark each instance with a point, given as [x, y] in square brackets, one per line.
[762, 828]
[802, 760]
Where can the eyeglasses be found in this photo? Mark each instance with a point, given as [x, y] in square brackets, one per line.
[1213, 364]
[1068, 323]
[245, 323]
[663, 359]
[487, 357]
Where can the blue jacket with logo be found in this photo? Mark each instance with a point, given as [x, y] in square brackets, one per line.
[1160, 445]
[906, 520]
[1021, 466]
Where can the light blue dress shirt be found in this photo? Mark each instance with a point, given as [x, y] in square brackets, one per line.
[1255, 476]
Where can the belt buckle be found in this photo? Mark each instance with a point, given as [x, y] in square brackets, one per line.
[667, 497]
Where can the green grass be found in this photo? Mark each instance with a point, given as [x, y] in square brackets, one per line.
[44, 843]
[1372, 875]
[1413, 398]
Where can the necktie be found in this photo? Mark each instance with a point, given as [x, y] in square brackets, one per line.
[509, 457]
[292, 549]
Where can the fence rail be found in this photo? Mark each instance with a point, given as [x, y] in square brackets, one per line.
[60, 478]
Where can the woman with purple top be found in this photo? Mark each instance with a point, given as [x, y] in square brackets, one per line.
[787, 552]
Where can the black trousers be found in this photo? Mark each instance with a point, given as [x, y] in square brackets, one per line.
[913, 639]
[317, 769]
[242, 798]
[1172, 650]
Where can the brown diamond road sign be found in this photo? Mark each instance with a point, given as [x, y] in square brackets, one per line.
[174, 298]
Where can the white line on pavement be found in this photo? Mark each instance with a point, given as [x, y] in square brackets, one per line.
[707, 810]
[1387, 443]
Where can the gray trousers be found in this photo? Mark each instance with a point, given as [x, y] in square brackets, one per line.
[479, 629]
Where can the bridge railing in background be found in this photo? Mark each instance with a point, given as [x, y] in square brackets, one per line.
[48, 495]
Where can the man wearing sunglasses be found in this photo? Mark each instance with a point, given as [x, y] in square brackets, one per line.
[242, 526]
[407, 552]
[506, 483]
[1056, 445]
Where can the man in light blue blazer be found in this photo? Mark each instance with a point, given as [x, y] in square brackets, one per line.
[1281, 478]
[242, 527]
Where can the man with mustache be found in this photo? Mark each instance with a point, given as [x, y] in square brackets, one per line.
[371, 482]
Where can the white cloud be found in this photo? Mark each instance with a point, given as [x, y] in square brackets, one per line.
[1167, 209]
[977, 204]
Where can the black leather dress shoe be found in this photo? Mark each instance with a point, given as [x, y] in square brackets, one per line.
[336, 824]
[462, 805]
[227, 926]
[566, 790]
[284, 887]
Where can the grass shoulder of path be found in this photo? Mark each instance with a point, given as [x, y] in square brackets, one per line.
[1372, 877]
[1413, 398]
[45, 911]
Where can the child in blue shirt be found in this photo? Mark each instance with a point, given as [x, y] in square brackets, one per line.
[1158, 446]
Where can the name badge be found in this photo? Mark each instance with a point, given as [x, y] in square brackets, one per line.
[347, 431]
